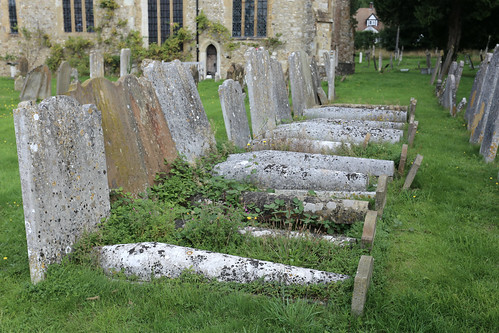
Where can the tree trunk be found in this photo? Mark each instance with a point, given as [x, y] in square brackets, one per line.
[454, 38]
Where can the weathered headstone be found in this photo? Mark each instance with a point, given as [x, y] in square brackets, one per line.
[428, 59]
[263, 106]
[374, 113]
[74, 75]
[125, 61]
[136, 134]
[303, 94]
[182, 107]
[62, 165]
[330, 61]
[459, 73]
[360, 57]
[436, 69]
[412, 109]
[37, 84]
[234, 113]
[412, 173]
[96, 64]
[485, 100]
[23, 66]
[19, 83]
[490, 140]
[369, 230]
[299, 145]
[411, 133]
[381, 194]
[236, 73]
[279, 91]
[472, 108]
[63, 78]
[447, 96]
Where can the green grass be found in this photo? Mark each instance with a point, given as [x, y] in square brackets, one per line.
[436, 249]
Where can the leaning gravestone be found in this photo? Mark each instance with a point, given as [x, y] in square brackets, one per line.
[330, 63]
[316, 80]
[23, 66]
[459, 73]
[19, 83]
[37, 84]
[182, 107]
[96, 64]
[300, 79]
[490, 140]
[136, 134]
[485, 99]
[63, 78]
[447, 96]
[234, 113]
[263, 106]
[279, 91]
[62, 165]
[475, 90]
[125, 58]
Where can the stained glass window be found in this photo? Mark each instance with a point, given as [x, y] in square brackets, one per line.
[13, 16]
[66, 13]
[178, 13]
[246, 14]
[170, 11]
[152, 14]
[165, 19]
[89, 15]
[237, 10]
[78, 16]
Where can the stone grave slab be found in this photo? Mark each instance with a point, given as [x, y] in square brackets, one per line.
[358, 123]
[62, 164]
[356, 113]
[234, 113]
[182, 107]
[288, 176]
[298, 145]
[338, 133]
[154, 260]
[341, 211]
[324, 195]
[37, 84]
[63, 78]
[330, 162]
[303, 94]
[264, 232]
[136, 134]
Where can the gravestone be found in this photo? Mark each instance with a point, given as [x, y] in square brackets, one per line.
[403, 159]
[485, 99]
[471, 109]
[234, 113]
[374, 113]
[96, 64]
[74, 75]
[62, 165]
[19, 83]
[22, 66]
[280, 91]
[37, 84]
[125, 62]
[447, 96]
[182, 108]
[452, 68]
[412, 172]
[316, 80]
[303, 94]
[299, 145]
[436, 69]
[136, 134]
[258, 77]
[428, 59]
[63, 78]
[358, 123]
[490, 140]
[360, 57]
[330, 61]
[236, 73]
[380, 61]
[459, 73]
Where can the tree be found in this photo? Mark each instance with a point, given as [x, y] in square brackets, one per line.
[445, 20]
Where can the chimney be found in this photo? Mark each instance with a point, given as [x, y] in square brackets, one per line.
[371, 5]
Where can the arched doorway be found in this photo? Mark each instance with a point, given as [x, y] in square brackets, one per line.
[211, 60]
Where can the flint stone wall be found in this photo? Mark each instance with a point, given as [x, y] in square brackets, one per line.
[62, 164]
[182, 107]
[137, 136]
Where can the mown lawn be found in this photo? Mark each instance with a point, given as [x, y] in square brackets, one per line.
[436, 249]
